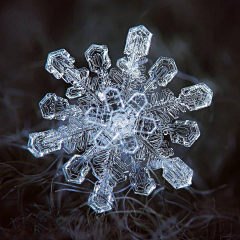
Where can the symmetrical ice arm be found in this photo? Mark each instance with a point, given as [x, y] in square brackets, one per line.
[60, 64]
[71, 136]
[42, 143]
[98, 59]
[141, 181]
[162, 72]
[137, 43]
[191, 98]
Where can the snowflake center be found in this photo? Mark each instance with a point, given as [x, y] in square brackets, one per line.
[122, 122]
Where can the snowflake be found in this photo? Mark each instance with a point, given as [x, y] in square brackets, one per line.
[119, 120]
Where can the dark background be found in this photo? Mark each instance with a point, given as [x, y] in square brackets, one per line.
[202, 36]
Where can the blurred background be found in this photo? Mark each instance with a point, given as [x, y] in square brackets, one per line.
[202, 36]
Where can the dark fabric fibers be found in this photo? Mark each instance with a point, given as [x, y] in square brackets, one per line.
[203, 38]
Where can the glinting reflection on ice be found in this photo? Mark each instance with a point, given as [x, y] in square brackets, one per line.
[120, 119]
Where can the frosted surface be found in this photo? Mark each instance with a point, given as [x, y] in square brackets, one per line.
[120, 119]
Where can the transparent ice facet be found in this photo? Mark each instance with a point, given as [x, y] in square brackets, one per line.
[98, 59]
[97, 116]
[118, 120]
[104, 139]
[112, 99]
[120, 168]
[196, 97]
[116, 78]
[138, 102]
[128, 67]
[155, 164]
[164, 150]
[122, 122]
[71, 134]
[83, 73]
[52, 107]
[177, 173]
[130, 143]
[76, 169]
[60, 64]
[146, 125]
[58, 61]
[184, 132]
[75, 92]
[138, 42]
[101, 200]
[163, 71]
[142, 183]
[43, 143]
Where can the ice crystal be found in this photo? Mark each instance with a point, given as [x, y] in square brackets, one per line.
[120, 119]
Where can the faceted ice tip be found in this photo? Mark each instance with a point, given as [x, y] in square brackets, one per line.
[177, 173]
[184, 132]
[163, 71]
[101, 200]
[138, 42]
[52, 107]
[196, 97]
[98, 59]
[42, 143]
[76, 169]
[57, 62]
